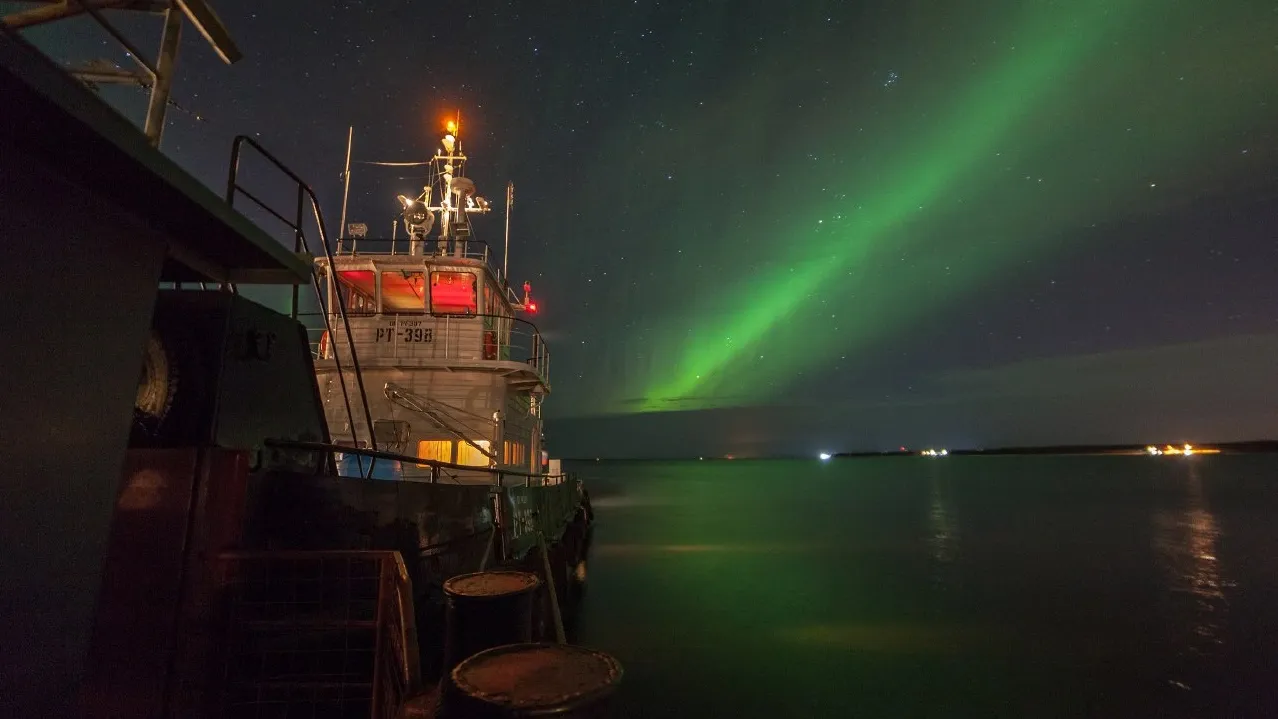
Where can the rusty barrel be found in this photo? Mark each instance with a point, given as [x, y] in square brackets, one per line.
[485, 610]
[533, 680]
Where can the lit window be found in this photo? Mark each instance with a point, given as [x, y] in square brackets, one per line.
[513, 453]
[468, 455]
[452, 293]
[358, 291]
[403, 292]
[436, 450]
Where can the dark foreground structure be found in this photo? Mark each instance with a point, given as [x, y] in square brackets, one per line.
[178, 542]
[93, 219]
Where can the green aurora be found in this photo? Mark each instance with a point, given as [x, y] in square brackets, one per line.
[1076, 114]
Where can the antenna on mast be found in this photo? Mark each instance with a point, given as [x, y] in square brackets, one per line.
[346, 191]
[505, 254]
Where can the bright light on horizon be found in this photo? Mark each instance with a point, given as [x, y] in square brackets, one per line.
[825, 456]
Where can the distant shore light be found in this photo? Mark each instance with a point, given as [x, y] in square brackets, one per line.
[825, 456]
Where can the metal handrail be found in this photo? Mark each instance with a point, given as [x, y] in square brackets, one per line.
[435, 465]
[466, 248]
[396, 597]
[299, 240]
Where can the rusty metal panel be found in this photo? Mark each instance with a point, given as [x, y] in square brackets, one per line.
[217, 526]
[135, 632]
[154, 639]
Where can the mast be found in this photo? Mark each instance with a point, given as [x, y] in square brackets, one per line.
[455, 202]
[505, 253]
[346, 191]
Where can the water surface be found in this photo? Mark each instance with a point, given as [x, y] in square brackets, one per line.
[963, 586]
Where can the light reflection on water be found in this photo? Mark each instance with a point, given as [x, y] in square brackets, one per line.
[944, 533]
[1186, 541]
[974, 587]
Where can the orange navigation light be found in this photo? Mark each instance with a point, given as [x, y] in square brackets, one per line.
[451, 126]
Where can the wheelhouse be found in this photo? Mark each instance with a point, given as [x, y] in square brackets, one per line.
[429, 325]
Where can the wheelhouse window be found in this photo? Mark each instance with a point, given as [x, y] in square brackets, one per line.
[359, 291]
[453, 293]
[471, 456]
[403, 292]
[437, 450]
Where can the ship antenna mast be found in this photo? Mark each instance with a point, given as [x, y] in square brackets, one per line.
[346, 190]
[505, 254]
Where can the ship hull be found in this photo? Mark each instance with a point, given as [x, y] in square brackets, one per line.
[441, 530]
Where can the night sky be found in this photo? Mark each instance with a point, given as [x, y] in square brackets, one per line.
[759, 227]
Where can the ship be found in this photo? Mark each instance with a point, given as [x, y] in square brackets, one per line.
[453, 373]
[229, 509]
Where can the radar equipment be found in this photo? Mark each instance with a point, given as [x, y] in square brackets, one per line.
[458, 198]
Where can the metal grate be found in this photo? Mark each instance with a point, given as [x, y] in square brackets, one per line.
[315, 634]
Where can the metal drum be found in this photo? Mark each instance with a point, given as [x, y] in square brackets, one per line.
[485, 610]
[533, 680]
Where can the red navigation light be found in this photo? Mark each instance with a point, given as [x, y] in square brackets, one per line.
[530, 306]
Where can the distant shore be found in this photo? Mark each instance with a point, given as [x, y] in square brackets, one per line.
[1265, 446]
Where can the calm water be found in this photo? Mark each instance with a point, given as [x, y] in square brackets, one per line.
[966, 586]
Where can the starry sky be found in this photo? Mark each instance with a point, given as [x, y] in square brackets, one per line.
[759, 228]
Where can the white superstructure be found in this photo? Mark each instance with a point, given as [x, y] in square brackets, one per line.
[450, 371]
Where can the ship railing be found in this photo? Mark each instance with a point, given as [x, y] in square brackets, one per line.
[325, 629]
[421, 469]
[412, 336]
[234, 188]
[463, 248]
[528, 503]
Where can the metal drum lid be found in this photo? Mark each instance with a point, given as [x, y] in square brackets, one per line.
[491, 584]
[536, 678]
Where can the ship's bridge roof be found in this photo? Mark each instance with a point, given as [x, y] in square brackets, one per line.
[53, 118]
